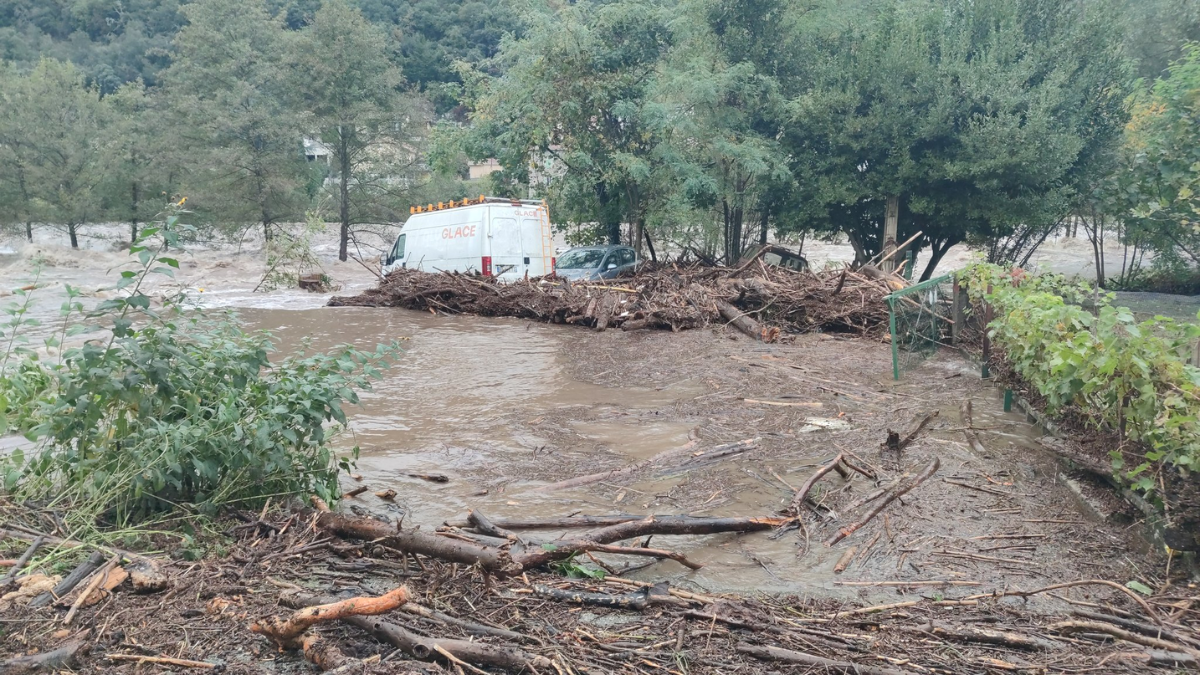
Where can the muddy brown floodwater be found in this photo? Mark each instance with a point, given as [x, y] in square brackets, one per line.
[505, 408]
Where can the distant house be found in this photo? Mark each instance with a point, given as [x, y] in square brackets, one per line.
[315, 150]
[477, 170]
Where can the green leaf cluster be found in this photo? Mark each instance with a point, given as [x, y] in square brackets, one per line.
[1120, 373]
[174, 408]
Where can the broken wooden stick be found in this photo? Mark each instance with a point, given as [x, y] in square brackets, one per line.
[20, 562]
[1071, 584]
[969, 428]
[916, 431]
[51, 661]
[900, 490]
[639, 599]
[551, 523]
[826, 665]
[686, 450]
[286, 633]
[71, 581]
[99, 577]
[425, 648]
[1122, 634]
[490, 558]
[802, 493]
[163, 660]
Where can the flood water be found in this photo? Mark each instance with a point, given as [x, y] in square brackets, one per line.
[447, 404]
[502, 408]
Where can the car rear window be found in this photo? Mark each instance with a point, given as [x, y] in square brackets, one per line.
[580, 260]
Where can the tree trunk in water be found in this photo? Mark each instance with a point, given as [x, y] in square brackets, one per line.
[71, 230]
[937, 250]
[764, 224]
[29, 231]
[649, 243]
[344, 196]
[133, 223]
[733, 232]
[891, 223]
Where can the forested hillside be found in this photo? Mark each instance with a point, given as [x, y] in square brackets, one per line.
[118, 41]
[706, 125]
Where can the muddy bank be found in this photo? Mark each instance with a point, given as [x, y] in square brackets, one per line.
[200, 617]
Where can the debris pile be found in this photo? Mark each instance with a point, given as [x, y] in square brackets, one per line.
[760, 300]
[303, 586]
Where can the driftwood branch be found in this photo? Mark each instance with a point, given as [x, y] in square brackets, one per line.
[900, 490]
[802, 493]
[51, 661]
[425, 648]
[825, 665]
[287, 632]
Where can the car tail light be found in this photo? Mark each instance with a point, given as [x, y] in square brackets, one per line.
[486, 264]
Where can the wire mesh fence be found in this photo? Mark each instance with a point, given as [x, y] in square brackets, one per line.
[919, 321]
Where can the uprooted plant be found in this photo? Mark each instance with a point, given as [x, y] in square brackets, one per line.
[167, 407]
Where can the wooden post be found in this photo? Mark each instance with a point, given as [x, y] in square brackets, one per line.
[891, 222]
[958, 310]
[987, 342]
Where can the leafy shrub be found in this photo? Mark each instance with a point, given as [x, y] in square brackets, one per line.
[173, 407]
[1122, 374]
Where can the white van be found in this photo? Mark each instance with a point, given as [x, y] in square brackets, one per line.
[505, 238]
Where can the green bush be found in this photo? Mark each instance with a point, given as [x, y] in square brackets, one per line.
[172, 408]
[1122, 374]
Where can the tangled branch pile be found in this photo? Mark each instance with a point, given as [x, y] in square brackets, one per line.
[759, 300]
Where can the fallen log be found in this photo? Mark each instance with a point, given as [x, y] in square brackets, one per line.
[991, 637]
[422, 543]
[286, 633]
[637, 600]
[71, 581]
[900, 490]
[826, 665]
[744, 323]
[1122, 634]
[552, 523]
[51, 661]
[509, 657]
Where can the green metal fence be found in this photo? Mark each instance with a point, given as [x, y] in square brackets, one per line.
[918, 317]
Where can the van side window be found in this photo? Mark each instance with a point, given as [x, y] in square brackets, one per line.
[397, 250]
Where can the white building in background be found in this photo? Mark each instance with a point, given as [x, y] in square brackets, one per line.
[477, 170]
[315, 151]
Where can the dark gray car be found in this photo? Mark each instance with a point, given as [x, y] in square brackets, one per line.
[589, 263]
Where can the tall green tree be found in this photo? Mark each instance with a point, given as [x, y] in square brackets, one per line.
[16, 152]
[138, 183]
[974, 113]
[572, 102]
[342, 74]
[1163, 161]
[238, 129]
[57, 135]
[724, 90]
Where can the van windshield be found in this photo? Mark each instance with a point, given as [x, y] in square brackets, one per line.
[586, 259]
[397, 250]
